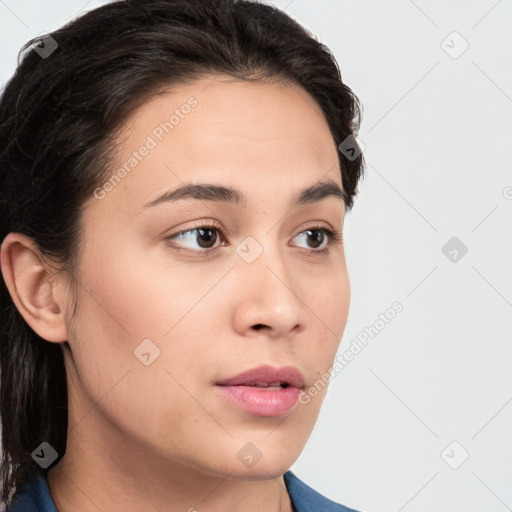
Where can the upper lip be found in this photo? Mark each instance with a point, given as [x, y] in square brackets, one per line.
[266, 376]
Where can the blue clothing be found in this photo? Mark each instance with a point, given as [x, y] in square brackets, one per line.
[35, 496]
[305, 499]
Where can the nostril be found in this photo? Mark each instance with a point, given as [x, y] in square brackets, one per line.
[258, 326]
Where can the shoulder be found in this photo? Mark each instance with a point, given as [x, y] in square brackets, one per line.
[33, 496]
[306, 499]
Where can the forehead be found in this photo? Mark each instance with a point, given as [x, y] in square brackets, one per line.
[260, 137]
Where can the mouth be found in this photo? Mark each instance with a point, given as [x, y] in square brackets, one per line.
[264, 391]
[267, 376]
[267, 385]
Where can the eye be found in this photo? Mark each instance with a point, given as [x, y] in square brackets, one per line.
[201, 239]
[319, 238]
[198, 237]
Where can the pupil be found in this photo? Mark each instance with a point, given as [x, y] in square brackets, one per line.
[318, 239]
[210, 235]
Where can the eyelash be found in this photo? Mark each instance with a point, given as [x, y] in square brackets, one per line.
[333, 237]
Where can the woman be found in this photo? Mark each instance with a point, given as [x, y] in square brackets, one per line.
[174, 282]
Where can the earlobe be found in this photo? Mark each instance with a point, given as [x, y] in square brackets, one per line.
[36, 296]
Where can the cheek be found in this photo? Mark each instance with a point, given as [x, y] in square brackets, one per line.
[330, 307]
[126, 300]
[146, 401]
[147, 294]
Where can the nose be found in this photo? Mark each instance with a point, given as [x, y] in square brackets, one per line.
[269, 297]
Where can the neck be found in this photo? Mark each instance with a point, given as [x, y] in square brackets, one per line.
[95, 475]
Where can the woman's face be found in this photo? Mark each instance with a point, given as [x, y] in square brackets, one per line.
[252, 281]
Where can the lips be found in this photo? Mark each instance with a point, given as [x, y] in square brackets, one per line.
[267, 376]
[264, 391]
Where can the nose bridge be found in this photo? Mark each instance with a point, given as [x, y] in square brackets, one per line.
[268, 296]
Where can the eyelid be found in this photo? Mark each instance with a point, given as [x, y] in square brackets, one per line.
[198, 224]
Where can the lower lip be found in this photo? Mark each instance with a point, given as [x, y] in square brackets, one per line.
[261, 401]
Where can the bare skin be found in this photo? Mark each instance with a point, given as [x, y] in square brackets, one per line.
[161, 438]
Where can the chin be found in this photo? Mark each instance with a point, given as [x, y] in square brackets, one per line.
[265, 458]
[251, 460]
[262, 470]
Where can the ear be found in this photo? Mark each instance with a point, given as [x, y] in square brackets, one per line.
[38, 296]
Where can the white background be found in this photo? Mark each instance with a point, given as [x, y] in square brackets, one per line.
[438, 136]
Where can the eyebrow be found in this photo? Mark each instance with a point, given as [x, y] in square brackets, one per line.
[211, 192]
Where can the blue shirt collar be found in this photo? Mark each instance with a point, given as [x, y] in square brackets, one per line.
[35, 497]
